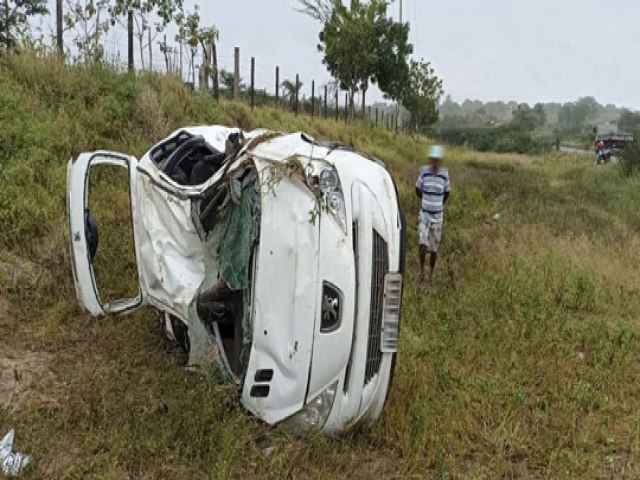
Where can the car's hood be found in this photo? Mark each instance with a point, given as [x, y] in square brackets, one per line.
[284, 306]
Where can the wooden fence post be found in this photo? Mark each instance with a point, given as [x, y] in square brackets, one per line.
[130, 41]
[236, 73]
[346, 107]
[325, 101]
[214, 70]
[253, 83]
[59, 30]
[313, 98]
[297, 106]
[337, 105]
[277, 85]
[376, 117]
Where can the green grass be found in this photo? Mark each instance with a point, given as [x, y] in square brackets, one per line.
[520, 360]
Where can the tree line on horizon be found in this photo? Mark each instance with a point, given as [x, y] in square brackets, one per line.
[570, 119]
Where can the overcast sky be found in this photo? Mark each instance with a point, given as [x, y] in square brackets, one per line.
[543, 50]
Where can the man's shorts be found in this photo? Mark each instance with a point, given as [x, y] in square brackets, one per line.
[430, 235]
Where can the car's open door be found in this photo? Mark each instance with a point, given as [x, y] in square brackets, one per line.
[83, 229]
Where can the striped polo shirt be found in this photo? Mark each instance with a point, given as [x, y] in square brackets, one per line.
[433, 189]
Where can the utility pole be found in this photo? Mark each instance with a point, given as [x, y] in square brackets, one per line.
[400, 11]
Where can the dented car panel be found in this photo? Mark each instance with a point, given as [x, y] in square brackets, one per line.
[286, 273]
[309, 330]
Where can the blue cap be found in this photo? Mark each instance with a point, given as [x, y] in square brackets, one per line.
[436, 151]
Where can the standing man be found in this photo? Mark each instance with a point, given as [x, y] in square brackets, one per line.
[433, 187]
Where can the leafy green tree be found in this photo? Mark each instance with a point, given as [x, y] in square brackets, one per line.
[144, 12]
[422, 95]
[576, 118]
[227, 79]
[529, 119]
[320, 10]
[392, 69]
[356, 41]
[14, 18]
[629, 121]
[87, 20]
[208, 37]
[345, 42]
[362, 45]
[189, 36]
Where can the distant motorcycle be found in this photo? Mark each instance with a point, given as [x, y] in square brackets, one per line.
[603, 156]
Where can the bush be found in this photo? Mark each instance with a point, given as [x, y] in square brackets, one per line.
[630, 160]
[502, 139]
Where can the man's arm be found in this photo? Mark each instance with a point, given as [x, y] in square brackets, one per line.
[447, 190]
[419, 185]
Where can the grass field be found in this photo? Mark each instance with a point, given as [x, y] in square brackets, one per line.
[521, 360]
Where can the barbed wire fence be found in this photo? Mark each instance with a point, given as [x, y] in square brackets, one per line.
[258, 84]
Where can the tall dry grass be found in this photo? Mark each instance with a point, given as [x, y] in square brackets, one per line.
[520, 360]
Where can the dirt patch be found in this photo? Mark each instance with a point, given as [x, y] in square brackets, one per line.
[17, 269]
[19, 372]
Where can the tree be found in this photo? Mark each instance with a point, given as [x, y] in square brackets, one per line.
[14, 18]
[527, 118]
[422, 94]
[227, 79]
[189, 35]
[361, 45]
[169, 54]
[392, 71]
[208, 37]
[576, 118]
[290, 91]
[345, 41]
[85, 18]
[142, 12]
[629, 121]
[320, 10]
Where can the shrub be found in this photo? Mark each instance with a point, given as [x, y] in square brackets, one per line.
[502, 139]
[630, 160]
[148, 118]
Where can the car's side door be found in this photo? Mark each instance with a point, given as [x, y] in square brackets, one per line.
[84, 231]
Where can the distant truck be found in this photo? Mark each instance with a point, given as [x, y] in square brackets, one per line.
[609, 142]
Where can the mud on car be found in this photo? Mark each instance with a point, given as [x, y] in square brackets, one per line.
[272, 259]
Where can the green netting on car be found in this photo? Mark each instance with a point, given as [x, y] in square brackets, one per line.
[237, 239]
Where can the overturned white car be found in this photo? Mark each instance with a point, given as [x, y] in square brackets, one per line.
[271, 258]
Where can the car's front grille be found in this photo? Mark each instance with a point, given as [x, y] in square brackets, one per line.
[379, 267]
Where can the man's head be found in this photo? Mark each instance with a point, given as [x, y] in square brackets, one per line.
[436, 153]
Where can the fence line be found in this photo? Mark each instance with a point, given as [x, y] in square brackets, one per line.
[258, 84]
[250, 85]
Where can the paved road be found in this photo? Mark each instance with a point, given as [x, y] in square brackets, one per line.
[575, 151]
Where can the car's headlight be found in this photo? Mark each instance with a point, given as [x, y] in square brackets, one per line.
[314, 414]
[331, 196]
